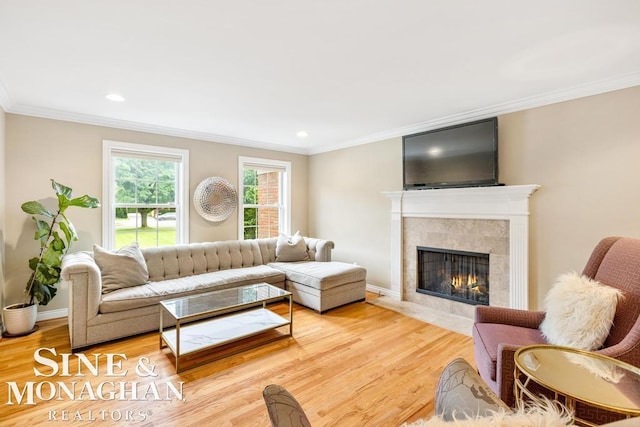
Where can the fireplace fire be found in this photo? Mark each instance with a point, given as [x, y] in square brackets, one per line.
[456, 275]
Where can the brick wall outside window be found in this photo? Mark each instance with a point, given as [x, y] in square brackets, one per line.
[268, 193]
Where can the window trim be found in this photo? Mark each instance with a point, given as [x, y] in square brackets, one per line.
[109, 148]
[280, 165]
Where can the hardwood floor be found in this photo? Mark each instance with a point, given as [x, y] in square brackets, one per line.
[359, 365]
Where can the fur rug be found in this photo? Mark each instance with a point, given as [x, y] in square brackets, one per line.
[546, 415]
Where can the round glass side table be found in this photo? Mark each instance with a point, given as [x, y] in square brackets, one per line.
[576, 376]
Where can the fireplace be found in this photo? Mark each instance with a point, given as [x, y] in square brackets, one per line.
[490, 220]
[455, 275]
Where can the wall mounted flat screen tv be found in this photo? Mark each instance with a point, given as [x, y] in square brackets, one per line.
[464, 155]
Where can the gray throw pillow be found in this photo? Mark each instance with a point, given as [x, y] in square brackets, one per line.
[122, 268]
[291, 248]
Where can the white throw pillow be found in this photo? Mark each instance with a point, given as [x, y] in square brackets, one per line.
[579, 312]
[122, 268]
[291, 248]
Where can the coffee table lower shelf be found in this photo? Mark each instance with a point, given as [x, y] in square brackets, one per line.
[206, 334]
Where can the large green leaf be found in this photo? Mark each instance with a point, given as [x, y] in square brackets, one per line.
[61, 189]
[57, 244]
[52, 293]
[36, 208]
[39, 293]
[43, 293]
[42, 230]
[68, 233]
[85, 202]
[63, 203]
[64, 195]
[52, 257]
[71, 229]
[47, 275]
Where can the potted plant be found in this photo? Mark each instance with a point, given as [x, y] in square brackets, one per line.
[55, 233]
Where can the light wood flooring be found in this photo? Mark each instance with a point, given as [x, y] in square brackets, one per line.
[358, 365]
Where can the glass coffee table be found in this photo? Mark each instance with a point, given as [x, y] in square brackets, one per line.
[221, 317]
[577, 376]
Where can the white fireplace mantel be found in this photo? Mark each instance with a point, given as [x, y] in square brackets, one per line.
[501, 202]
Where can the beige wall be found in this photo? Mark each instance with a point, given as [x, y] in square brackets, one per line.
[2, 208]
[584, 153]
[346, 203]
[40, 149]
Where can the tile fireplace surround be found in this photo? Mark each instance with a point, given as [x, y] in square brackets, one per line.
[493, 220]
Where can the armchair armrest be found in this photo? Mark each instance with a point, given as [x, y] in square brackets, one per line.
[505, 368]
[627, 350]
[509, 316]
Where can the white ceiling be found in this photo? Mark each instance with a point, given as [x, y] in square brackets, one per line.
[255, 72]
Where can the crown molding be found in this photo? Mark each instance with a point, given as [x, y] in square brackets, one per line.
[553, 97]
[46, 113]
[548, 98]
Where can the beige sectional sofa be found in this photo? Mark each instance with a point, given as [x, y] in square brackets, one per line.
[96, 316]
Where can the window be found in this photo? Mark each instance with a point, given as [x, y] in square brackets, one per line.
[265, 200]
[145, 195]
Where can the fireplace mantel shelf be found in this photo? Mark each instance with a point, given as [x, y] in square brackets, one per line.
[498, 202]
[501, 202]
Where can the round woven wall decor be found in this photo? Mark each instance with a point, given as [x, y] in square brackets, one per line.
[215, 199]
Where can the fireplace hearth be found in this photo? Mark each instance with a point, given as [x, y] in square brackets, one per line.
[455, 275]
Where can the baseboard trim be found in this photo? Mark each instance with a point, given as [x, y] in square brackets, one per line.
[52, 314]
[383, 291]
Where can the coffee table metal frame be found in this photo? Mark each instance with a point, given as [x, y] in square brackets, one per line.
[582, 381]
[216, 318]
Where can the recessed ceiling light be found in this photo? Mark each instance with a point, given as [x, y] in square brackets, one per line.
[114, 97]
[302, 134]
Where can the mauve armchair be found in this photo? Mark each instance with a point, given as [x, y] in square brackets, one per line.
[499, 332]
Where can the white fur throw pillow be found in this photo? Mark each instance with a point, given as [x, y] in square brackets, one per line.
[579, 312]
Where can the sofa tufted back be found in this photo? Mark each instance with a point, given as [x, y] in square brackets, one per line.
[172, 262]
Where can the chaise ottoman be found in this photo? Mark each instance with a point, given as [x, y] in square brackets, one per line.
[322, 286]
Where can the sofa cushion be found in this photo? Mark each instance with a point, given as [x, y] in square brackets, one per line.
[579, 312]
[487, 337]
[321, 275]
[154, 292]
[291, 248]
[122, 268]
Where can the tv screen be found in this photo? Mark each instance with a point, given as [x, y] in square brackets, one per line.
[464, 155]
